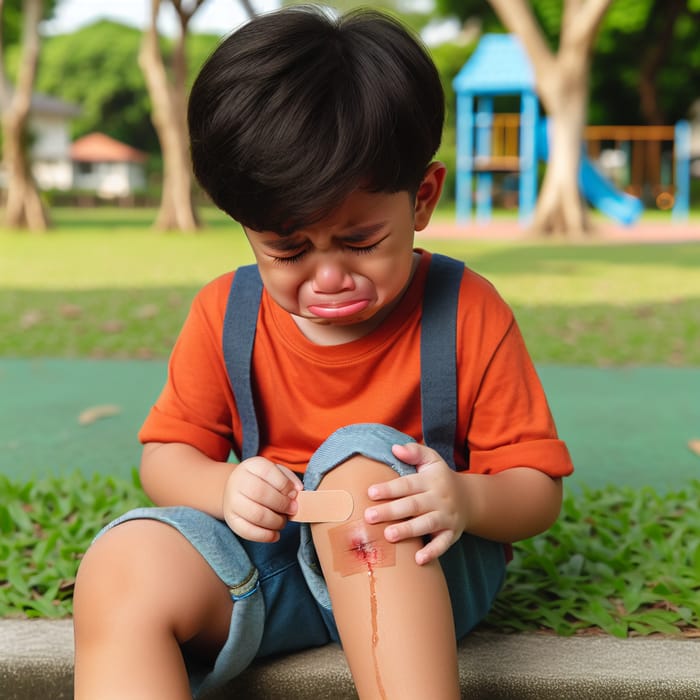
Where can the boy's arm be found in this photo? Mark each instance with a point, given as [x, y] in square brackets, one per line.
[176, 474]
[254, 497]
[512, 505]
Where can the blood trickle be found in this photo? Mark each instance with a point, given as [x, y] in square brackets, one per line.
[369, 554]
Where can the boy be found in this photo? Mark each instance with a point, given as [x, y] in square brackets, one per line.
[317, 135]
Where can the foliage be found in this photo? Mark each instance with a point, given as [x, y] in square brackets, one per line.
[449, 59]
[634, 30]
[12, 19]
[604, 565]
[97, 68]
[45, 527]
[622, 560]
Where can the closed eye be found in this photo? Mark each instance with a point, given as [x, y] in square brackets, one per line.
[363, 250]
[290, 259]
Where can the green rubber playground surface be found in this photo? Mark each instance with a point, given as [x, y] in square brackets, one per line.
[625, 426]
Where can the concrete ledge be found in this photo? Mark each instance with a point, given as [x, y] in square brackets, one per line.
[36, 661]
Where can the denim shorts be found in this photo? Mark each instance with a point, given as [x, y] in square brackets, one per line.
[281, 602]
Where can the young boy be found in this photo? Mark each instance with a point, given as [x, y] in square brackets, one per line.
[317, 134]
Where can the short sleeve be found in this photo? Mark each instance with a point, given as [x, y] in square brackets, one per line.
[196, 404]
[510, 423]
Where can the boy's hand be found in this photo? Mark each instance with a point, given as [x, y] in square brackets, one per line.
[258, 497]
[427, 503]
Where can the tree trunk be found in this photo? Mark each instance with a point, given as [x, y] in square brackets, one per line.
[660, 35]
[562, 85]
[168, 113]
[560, 208]
[24, 208]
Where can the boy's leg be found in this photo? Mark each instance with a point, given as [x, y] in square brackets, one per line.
[394, 617]
[142, 591]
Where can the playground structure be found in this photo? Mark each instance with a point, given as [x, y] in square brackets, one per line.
[622, 167]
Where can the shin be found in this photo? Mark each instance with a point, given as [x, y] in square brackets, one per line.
[394, 617]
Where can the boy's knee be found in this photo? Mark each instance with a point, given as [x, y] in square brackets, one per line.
[111, 565]
[358, 548]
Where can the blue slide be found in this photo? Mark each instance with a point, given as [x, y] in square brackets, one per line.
[604, 195]
[598, 190]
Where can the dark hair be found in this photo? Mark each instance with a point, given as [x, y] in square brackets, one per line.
[296, 109]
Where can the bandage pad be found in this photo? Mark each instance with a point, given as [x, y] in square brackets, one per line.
[324, 506]
[360, 548]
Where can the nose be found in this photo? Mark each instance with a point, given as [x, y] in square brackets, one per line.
[331, 276]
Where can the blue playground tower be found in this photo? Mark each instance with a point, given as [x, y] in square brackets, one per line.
[500, 66]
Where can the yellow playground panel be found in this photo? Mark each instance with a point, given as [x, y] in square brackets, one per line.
[640, 160]
[645, 158]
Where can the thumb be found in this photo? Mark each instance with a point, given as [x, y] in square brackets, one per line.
[293, 478]
[416, 454]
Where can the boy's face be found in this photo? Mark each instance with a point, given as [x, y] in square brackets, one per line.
[340, 277]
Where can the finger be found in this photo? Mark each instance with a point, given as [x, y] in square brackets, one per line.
[249, 531]
[398, 509]
[280, 478]
[425, 524]
[293, 478]
[396, 488]
[258, 514]
[262, 494]
[437, 546]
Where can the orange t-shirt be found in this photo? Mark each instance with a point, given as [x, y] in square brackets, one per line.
[303, 392]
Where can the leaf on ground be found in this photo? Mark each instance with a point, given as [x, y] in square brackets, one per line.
[95, 413]
[30, 319]
[694, 446]
[147, 311]
[113, 326]
[70, 310]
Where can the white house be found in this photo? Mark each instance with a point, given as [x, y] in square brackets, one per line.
[49, 120]
[106, 166]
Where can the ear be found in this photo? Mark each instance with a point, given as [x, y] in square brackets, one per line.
[428, 194]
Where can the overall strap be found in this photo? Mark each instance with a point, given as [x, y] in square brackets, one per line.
[238, 338]
[438, 355]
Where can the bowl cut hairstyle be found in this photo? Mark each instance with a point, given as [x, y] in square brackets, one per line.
[297, 109]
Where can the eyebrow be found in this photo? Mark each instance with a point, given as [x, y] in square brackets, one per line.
[283, 244]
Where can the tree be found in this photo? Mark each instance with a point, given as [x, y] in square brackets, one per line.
[168, 113]
[562, 81]
[24, 208]
[94, 67]
[654, 47]
[168, 92]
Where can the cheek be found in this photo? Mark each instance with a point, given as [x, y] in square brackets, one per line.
[283, 287]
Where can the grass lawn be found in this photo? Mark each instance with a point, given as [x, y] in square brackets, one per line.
[102, 284]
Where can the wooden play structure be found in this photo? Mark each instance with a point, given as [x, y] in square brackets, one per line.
[622, 169]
